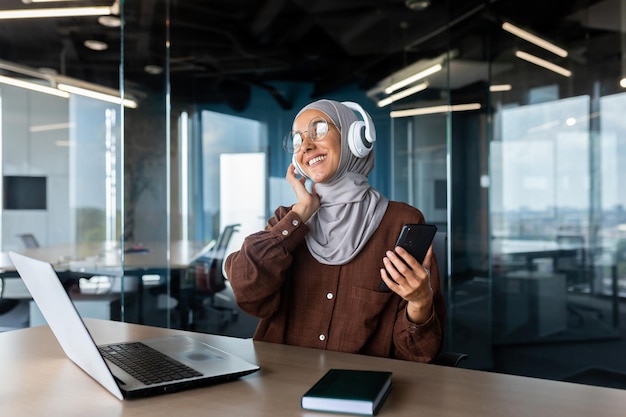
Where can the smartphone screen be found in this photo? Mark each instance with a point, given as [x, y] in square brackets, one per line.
[416, 239]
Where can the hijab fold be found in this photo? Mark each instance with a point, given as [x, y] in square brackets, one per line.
[350, 209]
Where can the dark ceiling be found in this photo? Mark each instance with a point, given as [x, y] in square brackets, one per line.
[220, 49]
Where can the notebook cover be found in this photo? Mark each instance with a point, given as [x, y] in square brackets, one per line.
[348, 391]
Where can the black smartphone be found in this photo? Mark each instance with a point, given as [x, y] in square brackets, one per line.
[416, 239]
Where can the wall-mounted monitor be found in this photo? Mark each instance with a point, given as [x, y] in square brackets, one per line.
[24, 193]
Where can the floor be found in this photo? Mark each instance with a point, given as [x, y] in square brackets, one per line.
[600, 361]
[590, 350]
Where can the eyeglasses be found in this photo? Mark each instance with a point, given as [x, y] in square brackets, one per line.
[317, 130]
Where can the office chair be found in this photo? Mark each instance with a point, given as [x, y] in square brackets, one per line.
[13, 306]
[5, 304]
[452, 359]
[210, 283]
[28, 240]
[440, 249]
[7, 307]
[13, 292]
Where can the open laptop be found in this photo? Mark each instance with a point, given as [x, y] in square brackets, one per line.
[201, 364]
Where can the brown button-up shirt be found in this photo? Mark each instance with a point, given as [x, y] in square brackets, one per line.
[336, 307]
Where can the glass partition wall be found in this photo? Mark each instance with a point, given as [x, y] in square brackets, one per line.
[153, 254]
[86, 173]
[522, 173]
[535, 185]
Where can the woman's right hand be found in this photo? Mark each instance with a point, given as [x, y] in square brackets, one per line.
[308, 202]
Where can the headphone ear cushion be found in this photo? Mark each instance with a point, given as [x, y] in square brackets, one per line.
[359, 145]
[295, 163]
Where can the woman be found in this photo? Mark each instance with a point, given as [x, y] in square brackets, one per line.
[314, 275]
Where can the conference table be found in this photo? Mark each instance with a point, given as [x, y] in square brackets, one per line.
[101, 257]
[167, 262]
[38, 380]
[531, 250]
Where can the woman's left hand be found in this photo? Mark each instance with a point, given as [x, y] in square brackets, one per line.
[411, 281]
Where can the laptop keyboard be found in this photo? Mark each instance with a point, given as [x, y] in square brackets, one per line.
[146, 364]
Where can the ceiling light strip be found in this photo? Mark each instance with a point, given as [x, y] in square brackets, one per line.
[33, 86]
[56, 12]
[500, 87]
[44, 1]
[26, 71]
[435, 109]
[543, 63]
[413, 78]
[51, 126]
[402, 94]
[542, 43]
[97, 95]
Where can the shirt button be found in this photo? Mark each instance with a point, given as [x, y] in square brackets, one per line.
[285, 233]
[322, 337]
[295, 222]
[329, 295]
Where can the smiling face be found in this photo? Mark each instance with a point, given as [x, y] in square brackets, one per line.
[320, 158]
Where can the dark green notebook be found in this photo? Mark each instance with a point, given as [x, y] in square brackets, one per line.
[348, 391]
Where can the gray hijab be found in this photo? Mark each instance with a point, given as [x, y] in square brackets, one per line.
[350, 209]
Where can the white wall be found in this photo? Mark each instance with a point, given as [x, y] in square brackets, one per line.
[35, 134]
[242, 197]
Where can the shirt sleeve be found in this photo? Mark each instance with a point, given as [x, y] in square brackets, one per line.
[421, 342]
[258, 270]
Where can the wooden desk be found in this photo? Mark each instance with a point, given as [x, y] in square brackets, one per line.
[38, 380]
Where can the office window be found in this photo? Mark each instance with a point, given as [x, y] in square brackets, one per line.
[224, 135]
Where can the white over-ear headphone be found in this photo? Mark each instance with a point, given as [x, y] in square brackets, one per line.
[295, 163]
[361, 134]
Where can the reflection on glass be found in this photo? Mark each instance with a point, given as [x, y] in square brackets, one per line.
[93, 170]
[555, 215]
[612, 234]
[419, 165]
[541, 179]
